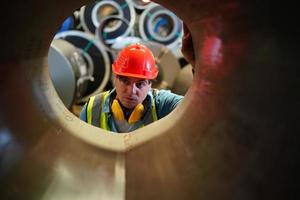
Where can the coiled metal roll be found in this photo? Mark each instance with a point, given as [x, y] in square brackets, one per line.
[62, 71]
[167, 64]
[92, 14]
[141, 4]
[101, 33]
[96, 58]
[160, 25]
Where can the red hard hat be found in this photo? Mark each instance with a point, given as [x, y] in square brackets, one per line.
[137, 61]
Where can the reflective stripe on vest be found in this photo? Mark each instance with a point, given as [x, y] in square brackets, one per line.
[96, 117]
[103, 116]
[89, 109]
[94, 107]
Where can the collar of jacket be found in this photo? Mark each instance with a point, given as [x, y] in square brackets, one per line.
[107, 104]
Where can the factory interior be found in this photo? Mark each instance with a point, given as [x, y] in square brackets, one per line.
[233, 136]
[88, 41]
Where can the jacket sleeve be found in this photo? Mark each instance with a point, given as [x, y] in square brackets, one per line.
[166, 101]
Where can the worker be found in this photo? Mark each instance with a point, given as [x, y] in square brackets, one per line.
[133, 103]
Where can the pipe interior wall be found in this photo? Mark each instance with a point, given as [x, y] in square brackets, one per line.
[231, 138]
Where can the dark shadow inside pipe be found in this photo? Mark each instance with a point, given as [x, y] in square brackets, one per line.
[237, 140]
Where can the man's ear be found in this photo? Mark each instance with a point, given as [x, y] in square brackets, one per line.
[150, 83]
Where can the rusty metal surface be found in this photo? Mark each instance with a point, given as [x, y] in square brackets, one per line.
[231, 138]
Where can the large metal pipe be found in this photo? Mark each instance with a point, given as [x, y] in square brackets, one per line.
[231, 138]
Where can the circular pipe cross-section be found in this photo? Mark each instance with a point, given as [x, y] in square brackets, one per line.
[232, 137]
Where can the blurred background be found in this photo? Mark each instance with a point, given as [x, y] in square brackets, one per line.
[88, 41]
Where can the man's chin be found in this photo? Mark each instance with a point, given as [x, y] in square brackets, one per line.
[129, 105]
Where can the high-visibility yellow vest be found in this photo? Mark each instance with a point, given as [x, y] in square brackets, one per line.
[96, 117]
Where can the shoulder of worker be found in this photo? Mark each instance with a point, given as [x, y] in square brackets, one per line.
[83, 113]
[166, 101]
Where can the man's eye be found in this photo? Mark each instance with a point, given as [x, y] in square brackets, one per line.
[124, 80]
[141, 84]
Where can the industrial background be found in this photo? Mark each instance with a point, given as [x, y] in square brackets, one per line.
[88, 41]
[233, 137]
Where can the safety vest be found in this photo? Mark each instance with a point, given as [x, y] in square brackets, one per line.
[96, 117]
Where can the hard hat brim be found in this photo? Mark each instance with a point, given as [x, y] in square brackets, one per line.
[149, 77]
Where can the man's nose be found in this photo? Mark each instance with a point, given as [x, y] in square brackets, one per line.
[132, 88]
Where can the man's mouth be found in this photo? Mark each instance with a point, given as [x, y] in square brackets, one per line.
[130, 99]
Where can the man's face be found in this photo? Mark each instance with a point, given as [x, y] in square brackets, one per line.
[131, 91]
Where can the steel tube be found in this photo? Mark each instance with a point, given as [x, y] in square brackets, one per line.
[231, 138]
